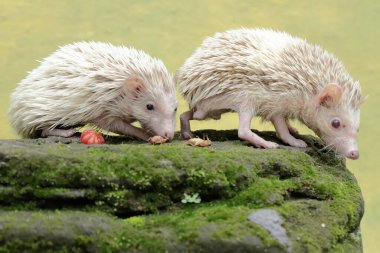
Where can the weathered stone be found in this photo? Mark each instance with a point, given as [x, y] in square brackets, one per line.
[58, 195]
[272, 222]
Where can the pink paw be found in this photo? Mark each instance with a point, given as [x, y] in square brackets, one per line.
[266, 144]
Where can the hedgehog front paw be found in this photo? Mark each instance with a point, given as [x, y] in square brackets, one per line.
[265, 144]
[296, 143]
[299, 143]
[186, 135]
[269, 145]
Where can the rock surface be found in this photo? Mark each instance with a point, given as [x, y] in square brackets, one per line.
[269, 220]
[57, 195]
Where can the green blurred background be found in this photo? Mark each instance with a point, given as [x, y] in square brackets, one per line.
[171, 30]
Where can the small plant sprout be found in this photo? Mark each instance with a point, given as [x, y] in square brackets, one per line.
[191, 198]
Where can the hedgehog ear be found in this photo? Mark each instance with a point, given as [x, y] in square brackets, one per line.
[133, 87]
[329, 96]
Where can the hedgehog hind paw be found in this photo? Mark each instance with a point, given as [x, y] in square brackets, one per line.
[58, 132]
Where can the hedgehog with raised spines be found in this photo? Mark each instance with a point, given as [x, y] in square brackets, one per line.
[95, 83]
[260, 72]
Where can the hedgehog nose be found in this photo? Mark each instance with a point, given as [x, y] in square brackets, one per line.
[354, 154]
[168, 135]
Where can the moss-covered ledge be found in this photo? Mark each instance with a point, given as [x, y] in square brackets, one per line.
[59, 195]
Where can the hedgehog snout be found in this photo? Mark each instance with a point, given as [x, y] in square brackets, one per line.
[353, 154]
[164, 129]
[349, 148]
[168, 135]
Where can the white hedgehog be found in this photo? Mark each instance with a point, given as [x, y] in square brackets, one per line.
[277, 77]
[95, 83]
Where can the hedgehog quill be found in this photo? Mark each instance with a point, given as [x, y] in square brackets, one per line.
[95, 83]
[260, 72]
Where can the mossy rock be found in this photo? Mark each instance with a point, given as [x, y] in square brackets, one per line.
[59, 195]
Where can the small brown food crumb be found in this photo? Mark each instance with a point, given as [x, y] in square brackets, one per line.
[157, 140]
[199, 142]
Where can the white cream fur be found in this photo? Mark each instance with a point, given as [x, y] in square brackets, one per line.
[84, 83]
[266, 73]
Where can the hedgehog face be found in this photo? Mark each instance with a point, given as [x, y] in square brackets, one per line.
[158, 115]
[338, 127]
[154, 107]
[336, 123]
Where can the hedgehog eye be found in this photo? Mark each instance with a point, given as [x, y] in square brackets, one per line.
[335, 123]
[149, 107]
[175, 109]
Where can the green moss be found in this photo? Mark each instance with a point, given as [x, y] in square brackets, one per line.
[317, 196]
[265, 192]
[136, 221]
[71, 232]
[62, 193]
